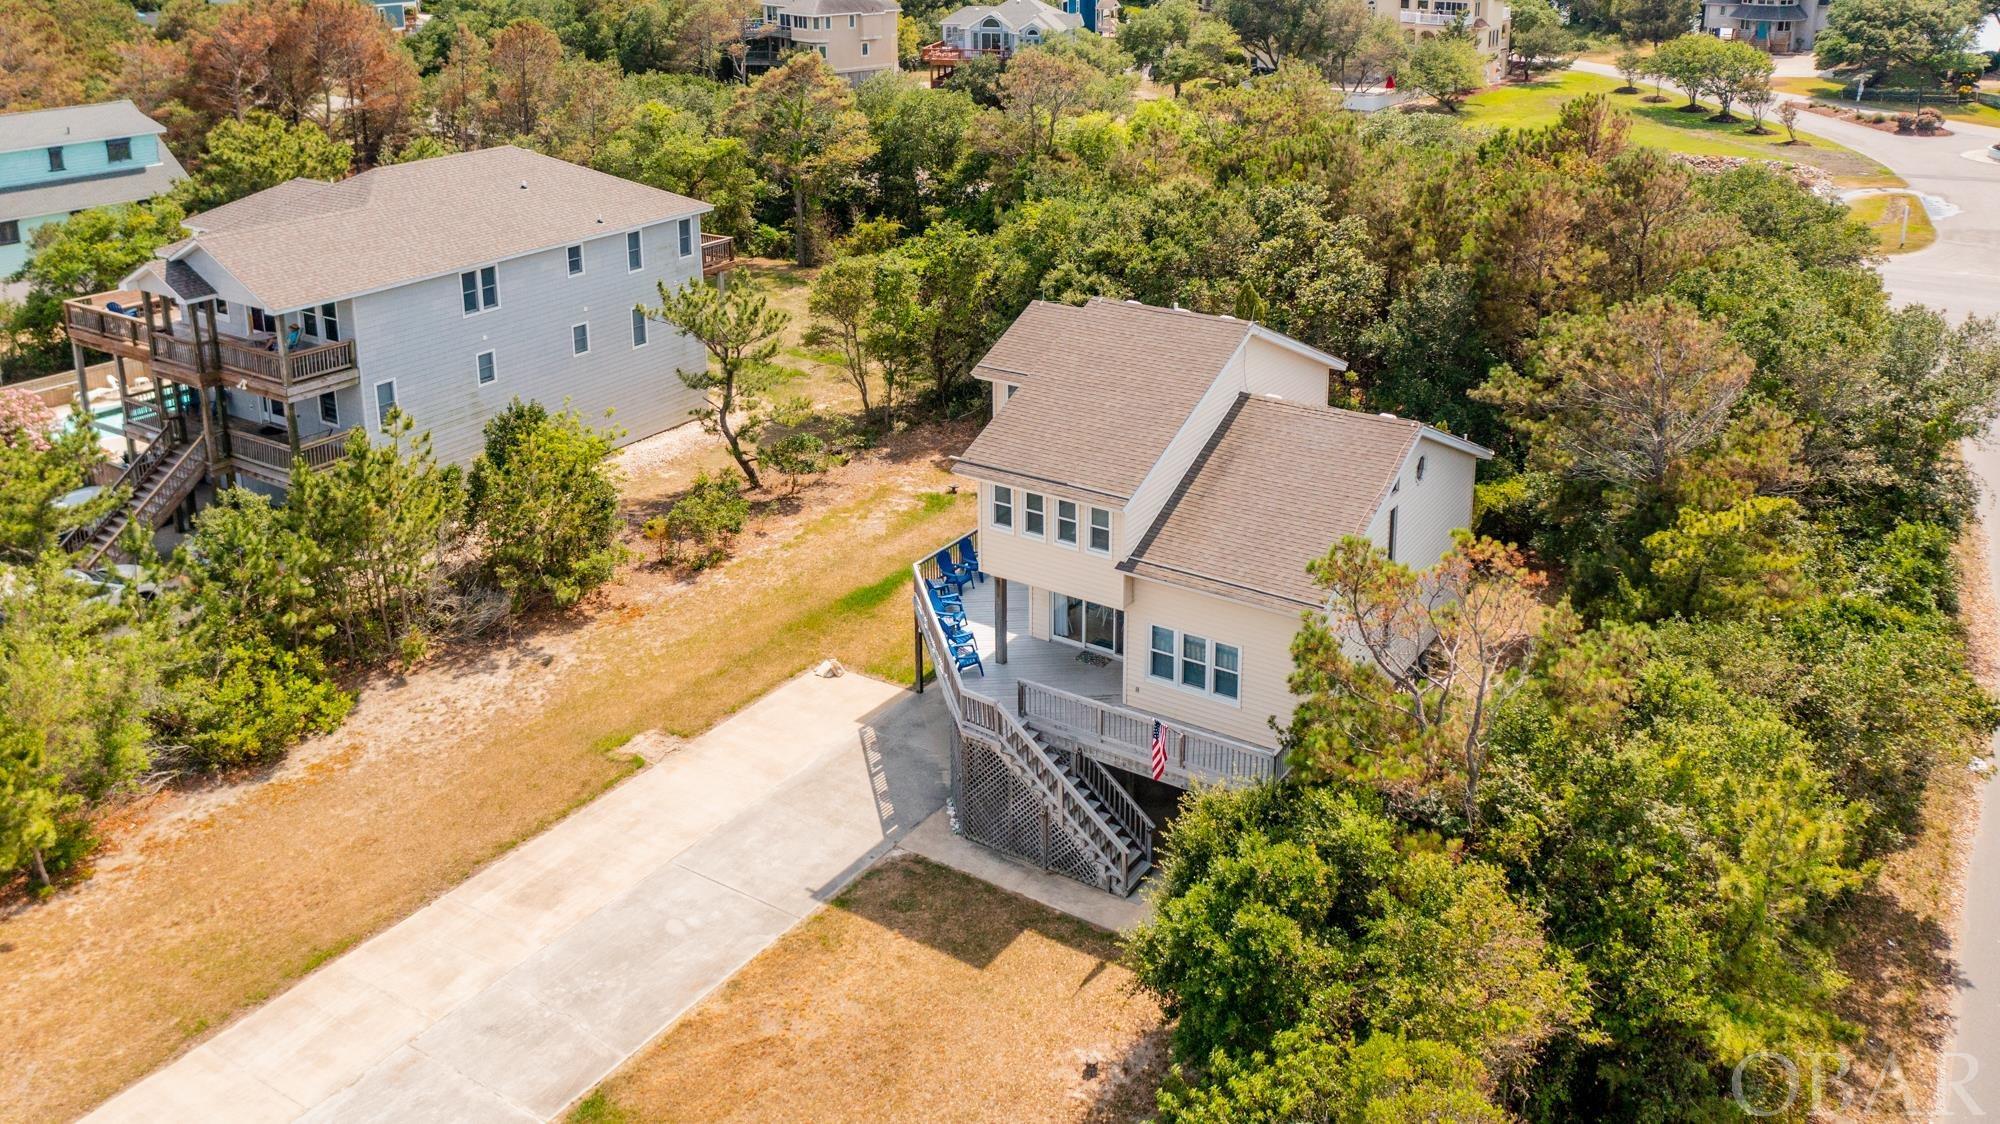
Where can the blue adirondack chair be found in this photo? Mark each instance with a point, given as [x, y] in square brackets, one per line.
[948, 571]
[966, 656]
[947, 606]
[968, 558]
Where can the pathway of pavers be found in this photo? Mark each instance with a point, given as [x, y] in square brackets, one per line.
[516, 992]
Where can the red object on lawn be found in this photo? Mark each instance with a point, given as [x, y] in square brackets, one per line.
[1390, 84]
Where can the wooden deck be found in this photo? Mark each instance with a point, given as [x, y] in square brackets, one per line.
[1043, 661]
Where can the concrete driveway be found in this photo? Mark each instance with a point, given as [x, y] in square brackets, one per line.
[519, 990]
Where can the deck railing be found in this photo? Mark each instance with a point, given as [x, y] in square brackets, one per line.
[274, 453]
[92, 320]
[718, 252]
[1125, 737]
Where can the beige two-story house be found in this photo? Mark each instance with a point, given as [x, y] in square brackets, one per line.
[1152, 486]
[857, 38]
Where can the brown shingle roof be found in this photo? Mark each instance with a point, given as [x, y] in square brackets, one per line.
[1104, 388]
[313, 242]
[1277, 485]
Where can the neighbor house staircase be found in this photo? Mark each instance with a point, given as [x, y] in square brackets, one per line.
[156, 482]
[1090, 828]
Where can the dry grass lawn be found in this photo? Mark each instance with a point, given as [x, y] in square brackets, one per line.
[919, 994]
[207, 901]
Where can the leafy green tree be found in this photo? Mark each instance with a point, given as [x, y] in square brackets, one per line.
[742, 333]
[1446, 67]
[260, 150]
[251, 574]
[248, 702]
[1424, 354]
[1278, 29]
[1631, 66]
[93, 250]
[841, 304]
[543, 501]
[1306, 1077]
[1687, 62]
[800, 122]
[1148, 33]
[936, 309]
[38, 466]
[1316, 273]
[1369, 707]
[1038, 89]
[386, 515]
[921, 146]
[1747, 560]
[1361, 46]
[1212, 53]
[1653, 21]
[671, 149]
[1926, 37]
[700, 525]
[1539, 38]
[78, 673]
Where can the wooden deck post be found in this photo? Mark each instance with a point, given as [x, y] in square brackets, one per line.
[999, 619]
[124, 411]
[82, 384]
[917, 634]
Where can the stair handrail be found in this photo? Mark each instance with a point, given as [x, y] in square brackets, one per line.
[1097, 777]
[1006, 732]
[135, 471]
[172, 483]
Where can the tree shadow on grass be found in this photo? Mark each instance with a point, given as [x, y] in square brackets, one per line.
[1901, 973]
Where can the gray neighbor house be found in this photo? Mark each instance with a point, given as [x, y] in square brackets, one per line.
[443, 288]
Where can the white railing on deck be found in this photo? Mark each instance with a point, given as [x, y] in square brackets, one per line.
[1125, 736]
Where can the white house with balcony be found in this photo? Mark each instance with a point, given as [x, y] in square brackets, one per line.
[442, 288]
[1488, 22]
[1152, 485]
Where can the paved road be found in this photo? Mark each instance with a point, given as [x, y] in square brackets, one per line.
[519, 990]
[1960, 274]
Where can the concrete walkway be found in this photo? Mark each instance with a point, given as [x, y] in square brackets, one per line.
[519, 990]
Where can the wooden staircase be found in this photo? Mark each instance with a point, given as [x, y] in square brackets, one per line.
[158, 480]
[1105, 840]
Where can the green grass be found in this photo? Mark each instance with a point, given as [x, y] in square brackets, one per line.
[1874, 211]
[1662, 125]
[1838, 90]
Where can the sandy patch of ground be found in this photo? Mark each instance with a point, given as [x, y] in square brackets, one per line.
[919, 994]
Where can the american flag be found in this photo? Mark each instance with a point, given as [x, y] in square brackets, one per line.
[1159, 752]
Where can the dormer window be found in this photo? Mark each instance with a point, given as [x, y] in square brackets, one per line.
[118, 150]
[56, 159]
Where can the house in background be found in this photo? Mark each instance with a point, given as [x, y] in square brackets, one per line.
[56, 162]
[1779, 28]
[1152, 485]
[998, 30]
[1488, 22]
[442, 288]
[857, 38]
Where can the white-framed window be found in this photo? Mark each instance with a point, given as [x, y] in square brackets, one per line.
[864, 43]
[485, 368]
[385, 401]
[1100, 531]
[1003, 508]
[864, 46]
[1034, 523]
[118, 151]
[329, 409]
[1087, 623]
[638, 327]
[329, 323]
[576, 261]
[1195, 663]
[309, 320]
[579, 339]
[1066, 522]
[635, 257]
[479, 289]
[687, 237]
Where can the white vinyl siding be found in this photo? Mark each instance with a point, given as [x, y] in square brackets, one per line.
[1249, 653]
[414, 335]
[1195, 662]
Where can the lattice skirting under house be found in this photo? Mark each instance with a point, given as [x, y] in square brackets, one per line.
[999, 809]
